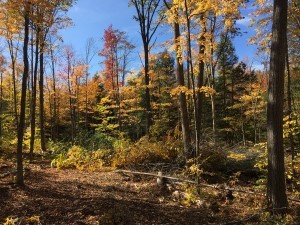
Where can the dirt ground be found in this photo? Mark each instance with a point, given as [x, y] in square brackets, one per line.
[53, 196]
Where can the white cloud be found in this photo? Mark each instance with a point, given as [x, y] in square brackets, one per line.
[244, 22]
[258, 67]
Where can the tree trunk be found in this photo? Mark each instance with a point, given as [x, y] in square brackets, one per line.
[13, 65]
[21, 127]
[146, 13]
[86, 96]
[195, 106]
[200, 79]
[212, 77]
[70, 100]
[290, 110]
[276, 172]
[182, 98]
[41, 86]
[1, 106]
[54, 118]
[33, 103]
[180, 82]
[147, 81]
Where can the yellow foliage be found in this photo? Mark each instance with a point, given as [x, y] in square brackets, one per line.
[141, 152]
[208, 91]
[290, 126]
[79, 158]
[180, 89]
[237, 157]
[11, 221]
[34, 220]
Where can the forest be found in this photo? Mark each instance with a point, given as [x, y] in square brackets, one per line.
[172, 129]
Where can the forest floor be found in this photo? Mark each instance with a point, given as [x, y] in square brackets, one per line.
[52, 196]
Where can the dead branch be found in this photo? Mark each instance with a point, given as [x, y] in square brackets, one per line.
[196, 183]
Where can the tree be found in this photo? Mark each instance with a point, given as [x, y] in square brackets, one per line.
[21, 127]
[54, 102]
[90, 52]
[116, 51]
[44, 18]
[71, 80]
[33, 99]
[2, 69]
[227, 59]
[276, 172]
[11, 31]
[163, 81]
[186, 133]
[146, 11]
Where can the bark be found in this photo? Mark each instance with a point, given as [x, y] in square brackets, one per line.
[256, 139]
[200, 80]
[86, 97]
[13, 65]
[41, 87]
[1, 105]
[186, 136]
[195, 105]
[212, 79]
[33, 103]
[118, 95]
[146, 11]
[55, 114]
[71, 102]
[290, 110]
[147, 80]
[76, 112]
[276, 192]
[182, 97]
[90, 52]
[21, 127]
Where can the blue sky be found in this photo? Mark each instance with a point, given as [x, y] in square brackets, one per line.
[91, 17]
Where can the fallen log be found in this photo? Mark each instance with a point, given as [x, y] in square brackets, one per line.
[216, 187]
[187, 181]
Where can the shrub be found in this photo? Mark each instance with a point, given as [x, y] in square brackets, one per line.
[79, 158]
[99, 140]
[143, 151]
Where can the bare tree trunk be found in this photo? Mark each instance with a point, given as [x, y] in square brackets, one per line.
[200, 81]
[21, 127]
[86, 97]
[118, 91]
[33, 103]
[212, 77]
[147, 81]
[1, 105]
[186, 135]
[70, 100]
[182, 98]
[77, 114]
[41, 86]
[146, 11]
[195, 106]
[55, 114]
[290, 109]
[276, 172]
[254, 115]
[13, 65]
